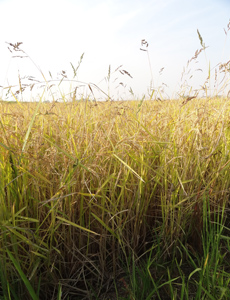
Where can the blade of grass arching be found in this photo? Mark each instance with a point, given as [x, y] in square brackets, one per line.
[30, 127]
[23, 276]
[187, 253]
[193, 272]
[105, 226]
[127, 166]
[75, 225]
[23, 238]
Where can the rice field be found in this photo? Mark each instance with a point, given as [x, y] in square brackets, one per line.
[115, 200]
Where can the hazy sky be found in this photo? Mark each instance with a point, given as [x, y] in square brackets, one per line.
[109, 32]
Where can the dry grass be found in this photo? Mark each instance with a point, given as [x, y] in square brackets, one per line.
[97, 182]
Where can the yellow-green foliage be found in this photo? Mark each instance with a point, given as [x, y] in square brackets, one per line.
[96, 180]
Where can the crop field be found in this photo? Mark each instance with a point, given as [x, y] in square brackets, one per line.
[105, 200]
[115, 200]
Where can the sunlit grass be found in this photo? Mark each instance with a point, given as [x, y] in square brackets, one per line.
[90, 191]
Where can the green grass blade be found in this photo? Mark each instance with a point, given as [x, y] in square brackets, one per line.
[23, 277]
[75, 225]
[104, 225]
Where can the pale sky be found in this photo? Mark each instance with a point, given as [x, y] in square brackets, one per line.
[109, 32]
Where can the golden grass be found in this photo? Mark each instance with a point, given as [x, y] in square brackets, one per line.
[97, 181]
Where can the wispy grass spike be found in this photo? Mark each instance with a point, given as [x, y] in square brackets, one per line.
[201, 39]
